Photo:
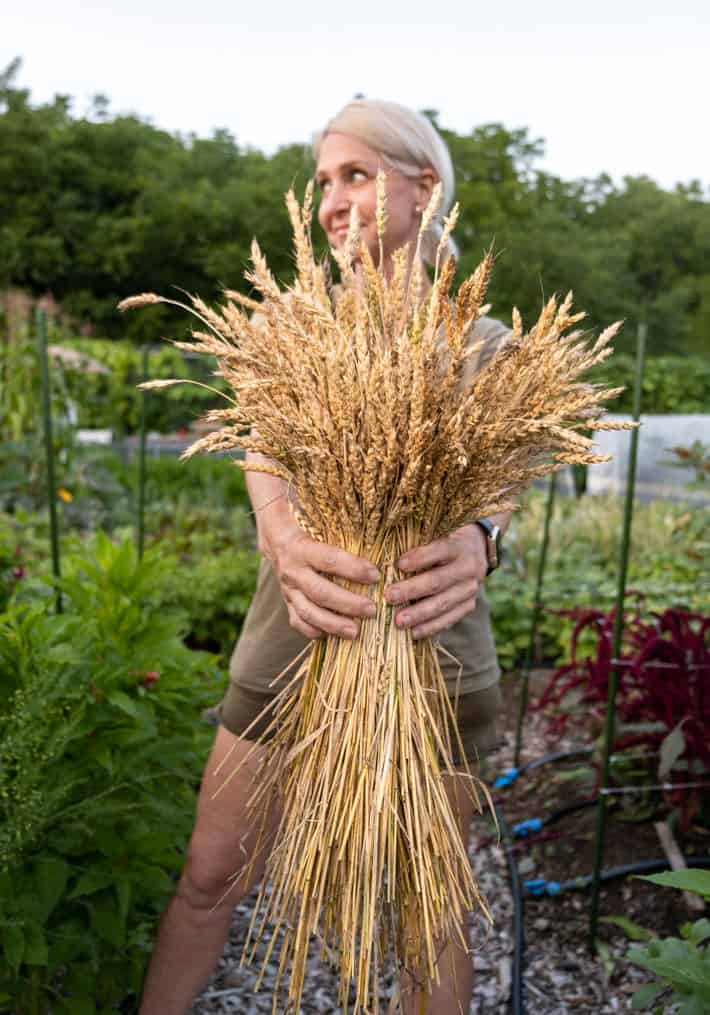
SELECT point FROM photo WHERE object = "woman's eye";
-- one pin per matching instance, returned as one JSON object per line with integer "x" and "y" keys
{"x": 323, "y": 185}
{"x": 358, "y": 175}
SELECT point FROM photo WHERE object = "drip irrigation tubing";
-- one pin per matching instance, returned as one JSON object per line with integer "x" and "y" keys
{"x": 539, "y": 887}
{"x": 525, "y": 828}
{"x": 531, "y": 825}
{"x": 512, "y": 774}
{"x": 517, "y": 1004}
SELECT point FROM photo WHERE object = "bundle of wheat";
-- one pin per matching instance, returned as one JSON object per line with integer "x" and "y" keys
{"x": 362, "y": 405}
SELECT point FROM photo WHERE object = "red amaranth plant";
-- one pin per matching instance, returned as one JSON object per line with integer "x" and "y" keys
{"x": 663, "y": 689}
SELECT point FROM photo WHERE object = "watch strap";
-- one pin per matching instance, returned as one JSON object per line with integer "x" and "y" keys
{"x": 493, "y": 535}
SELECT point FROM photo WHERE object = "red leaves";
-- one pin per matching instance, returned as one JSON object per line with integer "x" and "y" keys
{"x": 663, "y": 680}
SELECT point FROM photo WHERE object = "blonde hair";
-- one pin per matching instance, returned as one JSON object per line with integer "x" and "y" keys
{"x": 408, "y": 142}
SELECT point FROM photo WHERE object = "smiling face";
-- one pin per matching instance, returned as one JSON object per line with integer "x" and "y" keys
{"x": 346, "y": 175}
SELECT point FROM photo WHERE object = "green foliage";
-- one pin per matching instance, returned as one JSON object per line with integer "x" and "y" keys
{"x": 113, "y": 401}
{"x": 671, "y": 384}
{"x": 696, "y": 881}
{"x": 99, "y": 207}
{"x": 669, "y": 550}
{"x": 101, "y": 747}
{"x": 197, "y": 517}
{"x": 681, "y": 964}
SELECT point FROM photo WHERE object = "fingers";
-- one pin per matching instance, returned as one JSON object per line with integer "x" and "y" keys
{"x": 431, "y": 583}
{"x": 330, "y": 596}
{"x": 317, "y": 605}
{"x": 305, "y": 614}
{"x": 434, "y": 607}
{"x": 334, "y": 561}
{"x": 441, "y": 551}
{"x": 307, "y": 630}
{"x": 445, "y": 620}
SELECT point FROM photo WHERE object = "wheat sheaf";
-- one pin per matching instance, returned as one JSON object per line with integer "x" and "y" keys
{"x": 359, "y": 398}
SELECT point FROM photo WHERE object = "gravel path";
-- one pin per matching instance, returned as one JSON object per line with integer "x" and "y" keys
{"x": 558, "y": 979}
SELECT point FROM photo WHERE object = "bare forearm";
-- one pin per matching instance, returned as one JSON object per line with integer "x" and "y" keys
{"x": 502, "y": 520}
{"x": 269, "y": 499}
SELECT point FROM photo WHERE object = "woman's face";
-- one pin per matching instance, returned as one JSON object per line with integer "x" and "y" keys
{"x": 346, "y": 175}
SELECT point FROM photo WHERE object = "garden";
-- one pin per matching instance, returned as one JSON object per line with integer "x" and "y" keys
{"x": 104, "y": 704}
{"x": 126, "y": 575}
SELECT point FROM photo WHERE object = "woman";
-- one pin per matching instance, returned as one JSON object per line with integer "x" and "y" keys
{"x": 296, "y": 601}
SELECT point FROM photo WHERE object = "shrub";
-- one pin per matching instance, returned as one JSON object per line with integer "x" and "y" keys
{"x": 101, "y": 747}
{"x": 671, "y": 384}
{"x": 662, "y": 702}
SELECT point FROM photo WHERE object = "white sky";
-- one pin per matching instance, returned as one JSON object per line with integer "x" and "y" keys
{"x": 611, "y": 85}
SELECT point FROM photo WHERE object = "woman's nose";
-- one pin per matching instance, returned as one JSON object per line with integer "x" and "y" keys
{"x": 336, "y": 199}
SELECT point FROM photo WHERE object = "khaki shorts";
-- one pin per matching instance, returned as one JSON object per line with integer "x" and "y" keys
{"x": 475, "y": 717}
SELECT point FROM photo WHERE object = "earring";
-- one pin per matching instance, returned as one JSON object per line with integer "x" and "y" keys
{"x": 418, "y": 209}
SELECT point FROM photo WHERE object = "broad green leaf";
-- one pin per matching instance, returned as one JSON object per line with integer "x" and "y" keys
{"x": 92, "y": 880}
{"x": 697, "y": 932}
{"x": 645, "y": 995}
{"x": 697, "y": 881}
{"x": 106, "y": 921}
{"x": 693, "y": 1006}
{"x": 121, "y": 700}
{"x": 52, "y": 874}
{"x": 13, "y": 942}
{"x": 689, "y": 974}
{"x": 36, "y": 951}
{"x": 671, "y": 749}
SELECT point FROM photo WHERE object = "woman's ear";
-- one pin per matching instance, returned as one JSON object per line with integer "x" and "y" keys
{"x": 424, "y": 187}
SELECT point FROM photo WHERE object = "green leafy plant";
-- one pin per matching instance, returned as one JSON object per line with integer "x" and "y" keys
{"x": 101, "y": 746}
{"x": 681, "y": 965}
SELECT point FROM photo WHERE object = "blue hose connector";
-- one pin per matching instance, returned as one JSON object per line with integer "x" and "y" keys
{"x": 525, "y": 828}
{"x": 505, "y": 780}
{"x": 540, "y": 886}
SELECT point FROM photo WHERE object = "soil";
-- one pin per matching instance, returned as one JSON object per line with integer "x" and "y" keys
{"x": 564, "y": 850}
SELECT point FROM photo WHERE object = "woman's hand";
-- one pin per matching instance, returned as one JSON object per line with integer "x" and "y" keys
{"x": 449, "y": 574}
{"x": 316, "y": 605}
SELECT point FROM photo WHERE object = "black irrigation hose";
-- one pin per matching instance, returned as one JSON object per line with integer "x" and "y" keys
{"x": 512, "y": 773}
{"x": 517, "y": 1005}
{"x": 531, "y": 826}
{"x": 540, "y": 887}
{"x": 578, "y": 752}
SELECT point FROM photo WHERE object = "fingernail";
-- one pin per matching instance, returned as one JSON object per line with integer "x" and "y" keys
{"x": 393, "y": 595}
{"x": 373, "y": 574}
{"x": 351, "y": 632}
{"x": 402, "y": 619}
{"x": 403, "y": 563}
{"x": 371, "y": 610}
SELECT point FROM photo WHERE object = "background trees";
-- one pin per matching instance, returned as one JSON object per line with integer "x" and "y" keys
{"x": 95, "y": 207}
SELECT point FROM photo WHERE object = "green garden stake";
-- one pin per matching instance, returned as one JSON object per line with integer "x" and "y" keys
{"x": 616, "y": 640}
{"x": 537, "y": 609}
{"x": 141, "y": 460}
{"x": 49, "y": 449}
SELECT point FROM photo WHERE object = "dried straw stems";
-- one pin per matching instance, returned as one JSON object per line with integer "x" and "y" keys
{"x": 358, "y": 399}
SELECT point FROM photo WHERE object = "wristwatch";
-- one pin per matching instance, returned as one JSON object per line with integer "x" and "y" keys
{"x": 494, "y": 542}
